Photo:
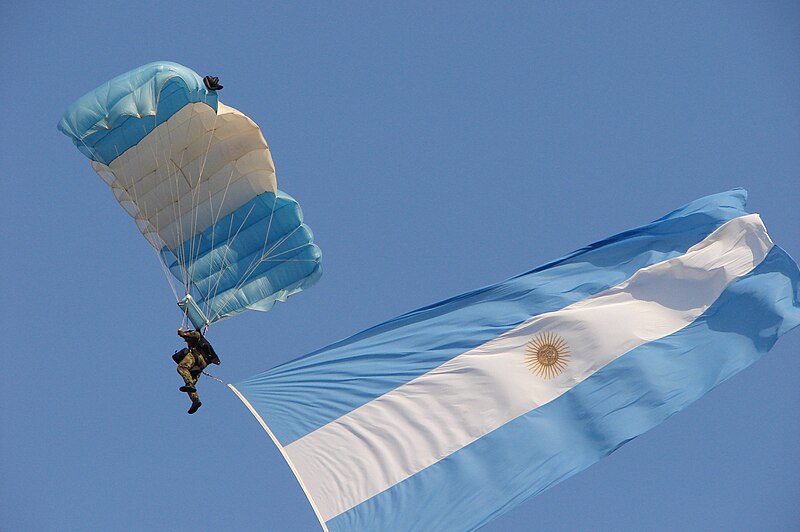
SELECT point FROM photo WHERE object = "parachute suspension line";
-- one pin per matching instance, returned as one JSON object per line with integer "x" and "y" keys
{"x": 178, "y": 215}
{"x": 154, "y": 229}
{"x": 182, "y": 256}
{"x": 156, "y": 159}
{"x": 207, "y": 303}
{"x": 269, "y": 225}
{"x": 173, "y": 169}
{"x": 164, "y": 266}
{"x": 195, "y": 239}
{"x": 212, "y": 292}
{"x": 187, "y": 262}
{"x": 195, "y": 243}
{"x": 291, "y": 260}
{"x": 167, "y": 275}
{"x": 272, "y": 258}
{"x": 266, "y": 256}
{"x": 177, "y": 210}
{"x": 211, "y": 251}
{"x": 225, "y": 264}
{"x": 248, "y": 270}
{"x": 171, "y": 178}
{"x": 175, "y": 193}
{"x": 141, "y": 217}
{"x": 281, "y": 241}
{"x": 254, "y": 265}
{"x": 160, "y": 242}
{"x": 244, "y": 278}
{"x": 207, "y": 299}
{"x": 156, "y": 240}
{"x": 185, "y": 318}
{"x": 162, "y": 261}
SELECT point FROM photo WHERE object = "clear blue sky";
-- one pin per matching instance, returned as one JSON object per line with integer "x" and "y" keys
{"x": 434, "y": 150}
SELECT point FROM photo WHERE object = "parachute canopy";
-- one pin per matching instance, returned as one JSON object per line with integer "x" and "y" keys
{"x": 198, "y": 179}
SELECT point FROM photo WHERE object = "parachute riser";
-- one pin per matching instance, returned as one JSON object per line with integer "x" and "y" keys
{"x": 191, "y": 310}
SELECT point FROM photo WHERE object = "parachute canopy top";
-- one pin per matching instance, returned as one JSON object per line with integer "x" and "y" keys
{"x": 150, "y": 95}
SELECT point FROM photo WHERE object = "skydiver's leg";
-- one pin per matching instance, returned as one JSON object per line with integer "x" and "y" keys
{"x": 195, "y": 402}
{"x": 194, "y": 407}
{"x": 184, "y": 369}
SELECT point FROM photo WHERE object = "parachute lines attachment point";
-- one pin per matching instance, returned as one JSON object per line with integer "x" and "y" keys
{"x": 193, "y": 312}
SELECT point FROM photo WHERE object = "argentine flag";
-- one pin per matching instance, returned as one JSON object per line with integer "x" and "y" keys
{"x": 452, "y": 414}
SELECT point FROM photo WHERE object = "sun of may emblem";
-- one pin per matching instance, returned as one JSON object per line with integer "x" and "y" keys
{"x": 547, "y": 354}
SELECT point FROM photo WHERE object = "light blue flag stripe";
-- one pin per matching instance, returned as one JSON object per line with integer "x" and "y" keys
{"x": 302, "y": 395}
{"x": 624, "y": 399}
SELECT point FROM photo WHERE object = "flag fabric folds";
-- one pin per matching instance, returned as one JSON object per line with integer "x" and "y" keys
{"x": 452, "y": 414}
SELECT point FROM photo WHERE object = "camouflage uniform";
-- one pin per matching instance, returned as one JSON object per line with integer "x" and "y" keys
{"x": 190, "y": 367}
{"x": 192, "y": 360}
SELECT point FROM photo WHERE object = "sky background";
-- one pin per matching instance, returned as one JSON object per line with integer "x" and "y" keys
{"x": 455, "y": 145}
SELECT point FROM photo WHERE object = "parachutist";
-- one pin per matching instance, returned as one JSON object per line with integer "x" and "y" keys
{"x": 192, "y": 360}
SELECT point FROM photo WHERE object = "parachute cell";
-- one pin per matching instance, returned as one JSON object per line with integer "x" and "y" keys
{"x": 198, "y": 178}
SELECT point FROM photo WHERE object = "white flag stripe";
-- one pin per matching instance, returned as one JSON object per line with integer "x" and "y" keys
{"x": 417, "y": 424}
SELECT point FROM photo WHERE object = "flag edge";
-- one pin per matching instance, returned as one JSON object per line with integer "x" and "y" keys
{"x": 283, "y": 453}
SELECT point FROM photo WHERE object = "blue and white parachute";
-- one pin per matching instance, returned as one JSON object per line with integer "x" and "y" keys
{"x": 198, "y": 179}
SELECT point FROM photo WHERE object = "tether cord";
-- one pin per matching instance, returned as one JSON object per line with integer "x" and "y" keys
{"x": 213, "y": 377}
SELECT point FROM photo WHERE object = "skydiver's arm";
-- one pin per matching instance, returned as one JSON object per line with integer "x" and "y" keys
{"x": 194, "y": 335}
